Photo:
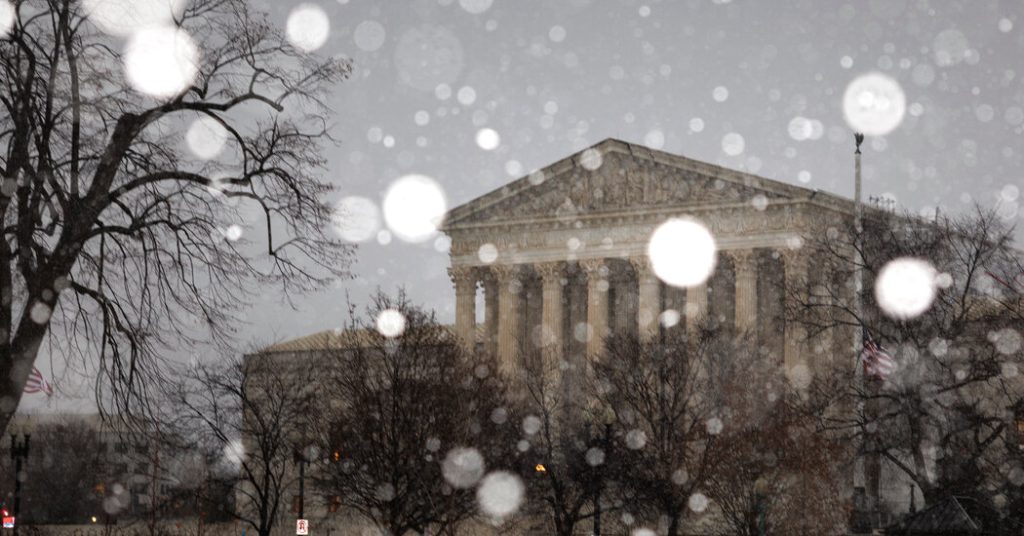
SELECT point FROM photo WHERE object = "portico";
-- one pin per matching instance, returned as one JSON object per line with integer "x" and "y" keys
{"x": 572, "y": 265}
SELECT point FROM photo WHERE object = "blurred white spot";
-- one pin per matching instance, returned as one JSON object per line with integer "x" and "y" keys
{"x": 463, "y": 467}
{"x": 414, "y": 207}
{"x": 950, "y": 47}
{"x": 655, "y": 139}
{"x": 206, "y": 137}
{"x": 234, "y": 452}
{"x": 799, "y": 376}
{"x": 759, "y": 202}
{"x": 476, "y": 6}
{"x": 905, "y": 287}
{"x": 682, "y": 252}
{"x": 874, "y": 104}
{"x": 643, "y": 531}
{"x": 594, "y": 456}
{"x": 427, "y": 57}
{"x": 556, "y": 34}
{"x": 1010, "y": 192}
{"x": 536, "y": 177}
{"x": 6, "y": 17}
{"x": 390, "y": 323}
{"x": 421, "y": 118}
{"x": 714, "y": 425}
{"x": 720, "y": 94}
{"x": 698, "y": 502}
{"x": 1005, "y": 25}
{"x": 466, "y": 95}
{"x": 232, "y": 233}
{"x": 308, "y": 27}
{"x": 645, "y": 11}
{"x": 591, "y": 159}
{"x": 733, "y": 144}
{"x": 487, "y": 253}
{"x": 636, "y": 439}
{"x": 802, "y": 128}
{"x": 984, "y": 113}
{"x": 488, "y": 139}
{"x": 124, "y": 17}
{"x": 500, "y": 494}
{"x": 443, "y": 244}
{"x": 356, "y": 219}
{"x": 531, "y": 424}
{"x": 40, "y": 313}
{"x": 846, "y": 62}
{"x": 369, "y": 35}
{"x": 680, "y": 477}
{"x": 385, "y": 492}
{"x": 696, "y": 124}
{"x": 161, "y": 61}
{"x": 804, "y": 176}
{"x": 1007, "y": 341}
{"x": 669, "y": 318}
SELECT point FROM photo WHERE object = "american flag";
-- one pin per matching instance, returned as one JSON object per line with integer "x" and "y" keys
{"x": 877, "y": 361}
{"x": 37, "y": 384}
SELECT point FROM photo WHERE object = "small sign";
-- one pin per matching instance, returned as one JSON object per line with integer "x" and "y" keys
{"x": 302, "y": 527}
{"x": 8, "y": 522}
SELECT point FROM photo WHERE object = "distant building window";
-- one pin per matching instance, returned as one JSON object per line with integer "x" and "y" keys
{"x": 334, "y": 504}
{"x": 296, "y": 501}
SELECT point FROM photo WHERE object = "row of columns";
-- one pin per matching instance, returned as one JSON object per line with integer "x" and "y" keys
{"x": 503, "y": 289}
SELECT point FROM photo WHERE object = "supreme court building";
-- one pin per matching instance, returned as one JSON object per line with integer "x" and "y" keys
{"x": 558, "y": 259}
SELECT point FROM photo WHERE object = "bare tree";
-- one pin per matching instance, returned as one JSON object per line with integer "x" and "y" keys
{"x": 777, "y": 474}
{"x": 957, "y": 362}
{"x": 113, "y": 235}
{"x": 398, "y": 406}
{"x": 249, "y": 417}
{"x": 568, "y": 467}
{"x": 666, "y": 404}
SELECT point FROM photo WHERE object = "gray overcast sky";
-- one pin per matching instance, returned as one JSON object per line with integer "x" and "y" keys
{"x": 553, "y": 77}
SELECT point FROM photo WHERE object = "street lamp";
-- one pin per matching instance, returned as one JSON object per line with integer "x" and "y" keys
{"x": 19, "y": 452}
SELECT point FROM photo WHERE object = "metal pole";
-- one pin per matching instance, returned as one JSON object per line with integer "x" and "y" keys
{"x": 302, "y": 486}
{"x": 18, "y": 454}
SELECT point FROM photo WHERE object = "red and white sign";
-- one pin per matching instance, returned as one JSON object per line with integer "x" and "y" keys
{"x": 302, "y": 527}
{"x": 8, "y": 522}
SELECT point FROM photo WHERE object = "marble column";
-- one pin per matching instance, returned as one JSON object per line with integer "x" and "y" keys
{"x": 696, "y": 306}
{"x": 795, "y": 267}
{"x": 745, "y": 269}
{"x": 464, "y": 279}
{"x": 490, "y": 286}
{"x": 648, "y": 298}
{"x": 553, "y": 315}
{"x": 509, "y": 301}
{"x": 597, "y": 304}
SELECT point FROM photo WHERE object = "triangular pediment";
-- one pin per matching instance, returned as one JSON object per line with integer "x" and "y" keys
{"x": 616, "y": 177}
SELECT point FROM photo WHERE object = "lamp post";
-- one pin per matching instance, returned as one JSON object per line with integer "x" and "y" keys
{"x": 19, "y": 452}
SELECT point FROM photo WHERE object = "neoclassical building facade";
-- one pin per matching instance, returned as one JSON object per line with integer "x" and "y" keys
{"x": 558, "y": 260}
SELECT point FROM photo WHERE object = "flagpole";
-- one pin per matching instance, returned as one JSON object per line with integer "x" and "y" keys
{"x": 858, "y": 275}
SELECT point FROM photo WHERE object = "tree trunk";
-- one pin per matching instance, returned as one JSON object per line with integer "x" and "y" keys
{"x": 673, "y": 525}
{"x": 16, "y": 366}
